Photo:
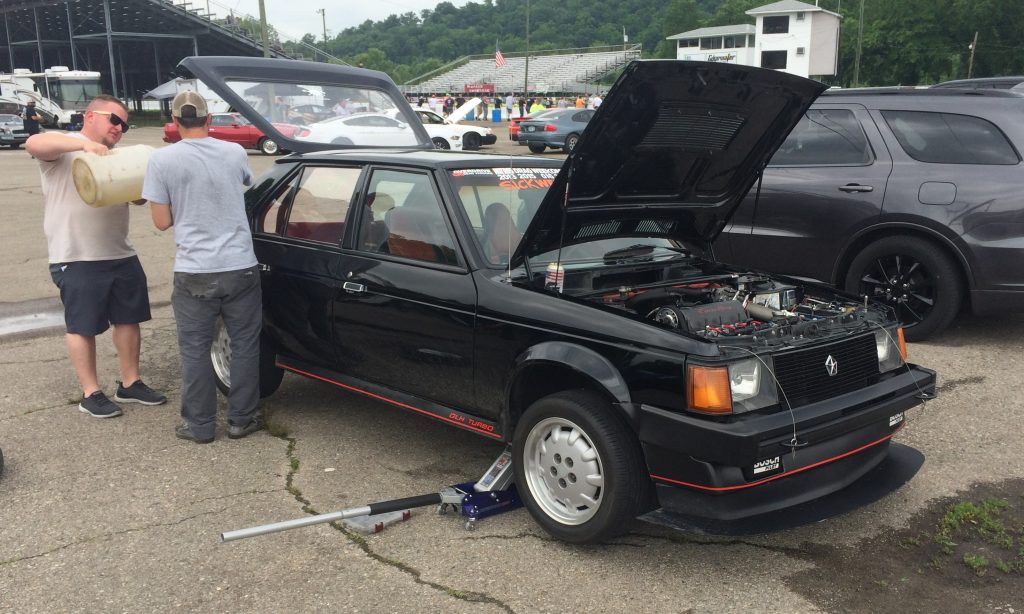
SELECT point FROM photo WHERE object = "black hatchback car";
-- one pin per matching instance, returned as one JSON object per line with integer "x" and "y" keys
{"x": 569, "y": 309}
{"x": 912, "y": 197}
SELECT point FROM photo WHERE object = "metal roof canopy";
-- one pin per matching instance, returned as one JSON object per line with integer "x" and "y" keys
{"x": 135, "y": 44}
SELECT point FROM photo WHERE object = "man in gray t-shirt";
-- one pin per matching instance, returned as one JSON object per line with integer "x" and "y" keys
{"x": 196, "y": 186}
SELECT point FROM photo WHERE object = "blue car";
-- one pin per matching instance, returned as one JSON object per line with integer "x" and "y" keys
{"x": 557, "y": 129}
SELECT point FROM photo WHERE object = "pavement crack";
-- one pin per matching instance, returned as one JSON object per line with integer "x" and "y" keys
{"x": 236, "y": 494}
{"x": 953, "y": 384}
{"x": 94, "y": 538}
{"x": 416, "y": 575}
{"x": 37, "y": 410}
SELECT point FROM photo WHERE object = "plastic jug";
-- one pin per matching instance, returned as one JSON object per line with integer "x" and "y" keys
{"x": 113, "y": 179}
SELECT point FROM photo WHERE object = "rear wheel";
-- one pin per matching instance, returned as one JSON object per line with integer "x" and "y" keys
{"x": 268, "y": 146}
{"x": 220, "y": 354}
{"x": 440, "y": 143}
{"x": 341, "y": 141}
{"x": 578, "y": 467}
{"x": 537, "y": 148}
{"x": 570, "y": 143}
{"x": 914, "y": 277}
{"x": 471, "y": 141}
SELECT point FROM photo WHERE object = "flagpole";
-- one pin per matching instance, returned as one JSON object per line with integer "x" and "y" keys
{"x": 526, "y": 71}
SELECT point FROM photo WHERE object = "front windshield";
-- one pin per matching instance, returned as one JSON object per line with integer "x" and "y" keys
{"x": 500, "y": 203}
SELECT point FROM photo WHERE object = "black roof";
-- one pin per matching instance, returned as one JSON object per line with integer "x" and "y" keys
{"x": 916, "y": 91}
{"x": 425, "y": 157}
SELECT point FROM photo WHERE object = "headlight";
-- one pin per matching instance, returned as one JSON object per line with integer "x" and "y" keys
{"x": 742, "y": 386}
{"x": 892, "y": 350}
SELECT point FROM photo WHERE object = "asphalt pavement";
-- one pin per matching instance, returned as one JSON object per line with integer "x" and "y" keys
{"x": 119, "y": 515}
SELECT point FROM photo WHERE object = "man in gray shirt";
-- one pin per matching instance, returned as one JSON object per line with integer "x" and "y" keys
{"x": 196, "y": 186}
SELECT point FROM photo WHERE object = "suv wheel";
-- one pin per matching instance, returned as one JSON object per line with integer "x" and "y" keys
{"x": 915, "y": 277}
{"x": 220, "y": 355}
{"x": 578, "y": 467}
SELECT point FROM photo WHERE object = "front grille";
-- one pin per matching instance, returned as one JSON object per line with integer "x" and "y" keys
{"x": 804, "y": 378}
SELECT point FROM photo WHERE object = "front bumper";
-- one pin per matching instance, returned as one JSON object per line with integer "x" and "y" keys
{"x": 13, "y": 139}
{"x": 737, "y": 469}
{"x": 489, "y": 139}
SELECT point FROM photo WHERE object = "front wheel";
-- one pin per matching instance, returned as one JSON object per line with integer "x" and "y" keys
{"x": 471, "y": 141}
{"x": 268, "y": 147}
{"x": 536, "y": 148}
{"x": 578, "y": 467}
{"x": 440, "y": 143}
{"x": 914, "y": 277}
{"x": 220, "y": 354}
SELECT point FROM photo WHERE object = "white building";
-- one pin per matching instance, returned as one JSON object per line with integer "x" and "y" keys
{"x": 732, "y": 44}
{"x": 792, "y": 36}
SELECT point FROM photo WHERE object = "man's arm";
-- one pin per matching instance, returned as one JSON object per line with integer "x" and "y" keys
{"x": 49, "y": 146}
{"x": 162, "y": 218}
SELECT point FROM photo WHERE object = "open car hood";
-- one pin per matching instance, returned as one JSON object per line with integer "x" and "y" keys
{"x": 462, "y": 111}
{"x": 670, "y": 153}
{"x": 261, "y": 89}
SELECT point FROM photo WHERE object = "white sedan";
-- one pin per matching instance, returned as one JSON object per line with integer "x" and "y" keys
{"x": 370, "y": 129}
{"x": 450, "y": 134}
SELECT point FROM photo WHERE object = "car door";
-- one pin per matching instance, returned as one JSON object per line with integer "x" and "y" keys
{"x": 825, "y": 184}
{"x": 227, "y": 128}
{"x": 297, "y": 240}
{"x": 404, "y": 317}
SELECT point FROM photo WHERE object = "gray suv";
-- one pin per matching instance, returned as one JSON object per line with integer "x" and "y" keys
{"x": 912, "y": 197}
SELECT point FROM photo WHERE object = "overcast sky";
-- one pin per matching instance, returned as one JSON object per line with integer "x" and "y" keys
{"x": 298, "y": 17}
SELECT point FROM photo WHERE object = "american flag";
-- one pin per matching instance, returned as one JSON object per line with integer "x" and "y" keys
{"x": 499, "y": 60}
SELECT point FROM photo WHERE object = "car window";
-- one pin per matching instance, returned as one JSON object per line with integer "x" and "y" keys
{"x": 583, "y": 116}
{"x": 948, "y": 138}
{"x": 429, "y": 118}
{"x": 273, "y": 219}
{"x": 221, "y": 120}
{"x": 825, "y": 137}
{"x": 404, "y": 218}
{"x": 320, "y": 203}
{"x": 499, "y": 204}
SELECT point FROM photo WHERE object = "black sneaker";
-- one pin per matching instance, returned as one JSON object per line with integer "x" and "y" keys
{"x": 98, "y": 405}
{"x": 183, "y": 432}
{"x": 138, "y": 393}
{"x": 237, "y": 432}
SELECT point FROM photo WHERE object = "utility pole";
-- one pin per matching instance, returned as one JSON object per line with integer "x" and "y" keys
{"x": 263, "y": 28}
{"x": 970, "y": 64}
{"x": 860, "y": 38}
{"x": 526, "y": 72}
{"x": 323, "y": 15}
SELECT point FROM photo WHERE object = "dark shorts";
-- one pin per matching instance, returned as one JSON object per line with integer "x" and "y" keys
{"x": 98, "y": 294}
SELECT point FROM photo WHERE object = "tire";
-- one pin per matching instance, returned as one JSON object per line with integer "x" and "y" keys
{"x": 220, "y": 354}
{"x": 548, "y": 467}
{"x": 268, "y": 147}
{"x": 471, "y": 141}
{"x": 570, "y": 143}
{"x": 15, "y": 145}
{"x": 915, "y": 277}
{"x": 440, "y": 143}
{"x": 537, "y": 148}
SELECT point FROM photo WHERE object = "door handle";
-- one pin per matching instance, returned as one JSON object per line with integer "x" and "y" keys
{"x": 856, "y": 187}
{"x": 353, "y": 288}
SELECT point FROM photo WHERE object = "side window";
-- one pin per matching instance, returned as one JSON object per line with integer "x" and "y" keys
{"x": 825, "y": 137}
{"x": 404, "y": 218}
{"x": 221, "y": 120}
{"x": 273, "y": 219}
{"x": 947, "y": 138}
{"x": 320, "y": 203}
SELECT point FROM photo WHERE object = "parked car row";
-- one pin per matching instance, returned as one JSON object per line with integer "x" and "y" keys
{"x": 12, "y": 131}
{"x": 235, "y": 128}
{"x": 584, "y": 322}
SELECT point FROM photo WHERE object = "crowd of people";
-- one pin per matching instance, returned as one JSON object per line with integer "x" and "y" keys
{"x": 510, "y": 105}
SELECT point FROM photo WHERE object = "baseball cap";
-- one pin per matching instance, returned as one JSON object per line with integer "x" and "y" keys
{"x": 188, "y": 104}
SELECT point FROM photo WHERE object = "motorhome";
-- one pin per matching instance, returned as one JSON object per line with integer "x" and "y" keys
{"x": 60, "y": 94}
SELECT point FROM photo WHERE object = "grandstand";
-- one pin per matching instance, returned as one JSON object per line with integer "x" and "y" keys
{"x": 560, "y": 70}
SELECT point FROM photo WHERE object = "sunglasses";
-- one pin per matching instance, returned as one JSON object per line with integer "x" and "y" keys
{"x": 115, "y": 120}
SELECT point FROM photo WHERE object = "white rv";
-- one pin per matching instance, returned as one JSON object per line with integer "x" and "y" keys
{"x": 60, "y": 94}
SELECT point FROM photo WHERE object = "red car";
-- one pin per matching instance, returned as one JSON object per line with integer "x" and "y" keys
{"x": 236, "y": 129}
{"x": 513, "y": 124}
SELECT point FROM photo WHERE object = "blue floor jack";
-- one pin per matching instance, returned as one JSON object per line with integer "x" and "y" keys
{"x": 493, "y": 494}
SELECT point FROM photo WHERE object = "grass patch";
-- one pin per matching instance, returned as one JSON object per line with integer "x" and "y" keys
{"x": 976, "y": 563}
{"x": 978, "y": 531}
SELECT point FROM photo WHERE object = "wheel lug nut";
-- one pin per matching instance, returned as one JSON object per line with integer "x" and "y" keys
{"x": 561, "y": 482}
{"x": 558, "y": 458}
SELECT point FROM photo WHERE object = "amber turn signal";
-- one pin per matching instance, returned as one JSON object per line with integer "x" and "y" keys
{"x": 707, "y": 389}
{"x": 903, "y": 343}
